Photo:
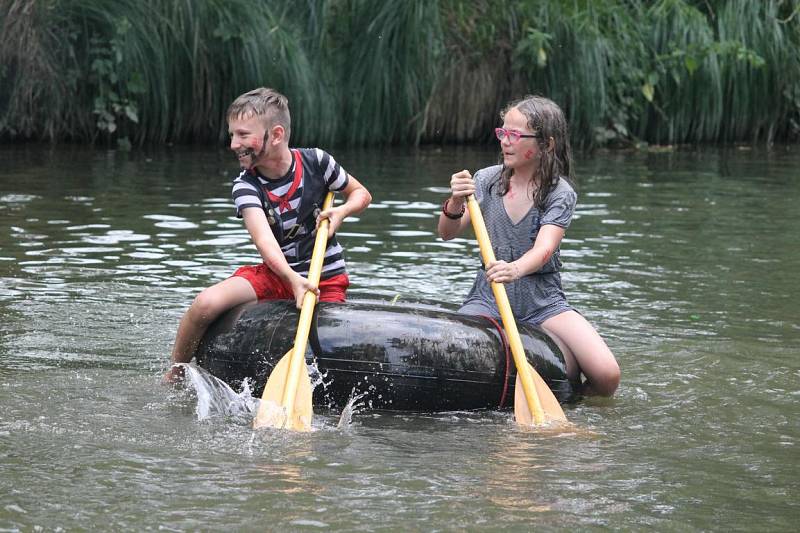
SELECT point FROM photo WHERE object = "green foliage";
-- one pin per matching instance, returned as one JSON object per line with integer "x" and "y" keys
{"x": 112, "y": 103}
{"x": 379, "y": 72}
{"x": 755, "y": 99}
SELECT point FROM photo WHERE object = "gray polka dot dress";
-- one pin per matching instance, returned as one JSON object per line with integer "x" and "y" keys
{"x": 536, "y": 297}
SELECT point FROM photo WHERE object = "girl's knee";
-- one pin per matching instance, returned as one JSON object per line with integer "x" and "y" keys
{"x": 604, "y": 369}
{"x": 606, "y": 381}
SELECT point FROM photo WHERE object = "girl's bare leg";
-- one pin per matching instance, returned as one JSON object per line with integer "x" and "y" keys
{"x": 585, "y": 351}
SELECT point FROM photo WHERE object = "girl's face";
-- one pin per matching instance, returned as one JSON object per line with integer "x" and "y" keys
{"x": 521, "y": 154}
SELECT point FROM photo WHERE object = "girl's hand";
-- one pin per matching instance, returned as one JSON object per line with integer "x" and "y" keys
{"x": 300, "y": 286}
{"x": 335, "y": 215}
{"x": 502, "y": 272}
{"x": 461, "y": 184}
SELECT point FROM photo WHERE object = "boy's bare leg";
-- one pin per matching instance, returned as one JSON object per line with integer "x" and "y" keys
{"x": 205, "y": 308}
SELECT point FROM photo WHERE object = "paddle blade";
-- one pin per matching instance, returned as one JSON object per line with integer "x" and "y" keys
{"x": 550, "y": 407}
{"x": 272, "y": 412}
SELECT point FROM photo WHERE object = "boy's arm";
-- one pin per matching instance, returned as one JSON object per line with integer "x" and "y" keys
{"x": 357, "y": 198}
{"x": 256, "y": 223}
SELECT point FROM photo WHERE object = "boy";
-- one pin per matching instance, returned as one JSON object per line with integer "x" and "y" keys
{"x": 278, "y": 194}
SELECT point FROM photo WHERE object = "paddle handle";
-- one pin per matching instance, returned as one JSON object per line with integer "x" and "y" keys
{"x": 520, "y": 361}
{"x": 306, "y": 312}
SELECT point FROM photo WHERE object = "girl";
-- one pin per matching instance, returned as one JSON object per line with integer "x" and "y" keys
{"x": 527, "y": 203}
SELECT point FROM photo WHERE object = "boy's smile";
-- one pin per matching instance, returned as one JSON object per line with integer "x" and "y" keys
{"x": 260, "y": 147}
{"x": 247, "y": 140}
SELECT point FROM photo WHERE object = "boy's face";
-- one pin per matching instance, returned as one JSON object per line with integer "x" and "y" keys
{"x": 248, "y": 139}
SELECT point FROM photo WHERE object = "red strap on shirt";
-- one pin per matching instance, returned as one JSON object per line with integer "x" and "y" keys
{"x": 283, "y": 201}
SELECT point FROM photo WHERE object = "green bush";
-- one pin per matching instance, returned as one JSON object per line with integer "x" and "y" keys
{"x": 363, "y": 72}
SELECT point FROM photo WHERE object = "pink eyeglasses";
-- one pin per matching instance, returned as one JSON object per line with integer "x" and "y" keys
{"x": 513, "y": 135}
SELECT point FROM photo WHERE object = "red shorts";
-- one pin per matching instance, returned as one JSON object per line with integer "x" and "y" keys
{"x": 270, "y": 286}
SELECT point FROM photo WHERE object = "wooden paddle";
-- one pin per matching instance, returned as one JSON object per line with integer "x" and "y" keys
{"x": 534, "y": 402}
{"x": 286, "y": 401}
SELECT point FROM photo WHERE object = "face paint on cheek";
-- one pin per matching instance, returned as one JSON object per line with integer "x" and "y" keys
{"x": 246, "y": 158}
{"x": 252, "y": 153}
{"x": 528, "y": 154}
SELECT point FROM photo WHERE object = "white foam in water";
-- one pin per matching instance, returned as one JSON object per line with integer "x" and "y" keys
{"x": 316, "y": 376}
{"x": 351, "y": 408}
{"x": 215, "y": 397}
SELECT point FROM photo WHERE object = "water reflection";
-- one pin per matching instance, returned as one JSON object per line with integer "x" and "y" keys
{"x": 685, "y": 262}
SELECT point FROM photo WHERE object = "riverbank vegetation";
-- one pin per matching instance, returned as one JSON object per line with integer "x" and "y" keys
{"x": 363, "y": 72}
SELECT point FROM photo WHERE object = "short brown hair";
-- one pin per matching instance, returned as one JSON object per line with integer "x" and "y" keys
{"x": 263, "y": 102}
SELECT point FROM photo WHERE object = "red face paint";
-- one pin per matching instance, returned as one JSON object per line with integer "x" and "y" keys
{"x": 254, "y": 152}
{"x": 528, "y": 154}
{"x": 257, "y": 145}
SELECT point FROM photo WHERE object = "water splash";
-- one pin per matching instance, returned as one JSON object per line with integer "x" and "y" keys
{"x": 316, "y": 376}
{"x": 352, "y": 407}
{"x": 270, "y": 414}
{"x": 216, "y": 398}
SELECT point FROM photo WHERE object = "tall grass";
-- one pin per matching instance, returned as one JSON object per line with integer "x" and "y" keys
{"x": 380, "y": 72}
{"x": 38, "y": 74}
{"x": 685, "y": 74}
{"x": 584, "y": 67}
{"x": 760, "y": 96}
{"x": 475, "y": 72}
{"x": 388, "y": 54}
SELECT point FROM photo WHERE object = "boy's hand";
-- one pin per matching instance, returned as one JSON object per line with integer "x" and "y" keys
{"x": 173, "y": 376}
{"x": 335, "y": 215}
{"x": 300, "y": 286}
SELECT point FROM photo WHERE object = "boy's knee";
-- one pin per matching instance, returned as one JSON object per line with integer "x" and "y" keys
{"x": 204, "y": 308}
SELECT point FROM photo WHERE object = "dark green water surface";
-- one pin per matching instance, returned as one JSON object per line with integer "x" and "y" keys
{"x": 686, "y": 262}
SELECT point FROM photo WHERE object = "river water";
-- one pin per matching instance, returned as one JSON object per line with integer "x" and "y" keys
{"x": 686, "y": 262}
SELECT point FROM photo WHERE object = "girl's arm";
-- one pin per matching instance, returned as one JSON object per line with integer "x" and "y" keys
{"x": 461, "y": 186}
{"x": 547, "y": 242}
